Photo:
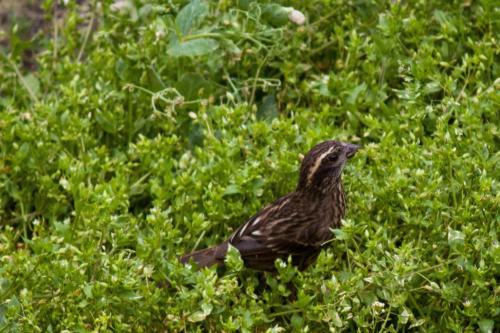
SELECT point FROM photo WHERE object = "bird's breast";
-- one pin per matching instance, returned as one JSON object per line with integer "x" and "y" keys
{"x": 331, "y": 212}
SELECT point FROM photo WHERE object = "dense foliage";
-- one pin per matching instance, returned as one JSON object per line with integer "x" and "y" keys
{"x": 150, "y": 128}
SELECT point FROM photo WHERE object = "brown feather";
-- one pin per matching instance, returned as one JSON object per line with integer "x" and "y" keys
{"x": 207, "y": 257}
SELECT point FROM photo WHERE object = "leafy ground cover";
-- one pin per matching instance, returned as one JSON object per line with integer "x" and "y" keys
{"x": 145, "y": 129}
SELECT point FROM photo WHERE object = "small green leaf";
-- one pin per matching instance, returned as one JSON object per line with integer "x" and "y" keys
{"x": 404, "y": 316}
{"x": 455, "y": 237}
{"x": 275, "y": 329}
{"x": 353, "y": 96}
{"x": 196, "y": 135}
{"x": 233, "y": 259}
{"x": 231, "y": 47}
{"x": 232, "y": 189}
{"x": 268, "y": 110}
{"x": 368, "y": 297}
{"x": 297, "y": 321}
{"x": 193, "y": 86}
{"x": 275, "y": 14}
{"x": 341, "y": 234}
{"x": 192, "y": 48}
{"x": 32, "y": 83}
{"x": 106, "y": 121}
{"x": 197, "y": 316}
{"x": 190, "y": 15}
{"x": 206, "y": 309}
{"x": 432, "y": 87}
{"x": 486, "y": 325}
{"x": 335, "y": 318}
{"x": 417, "y": 323}
{"x": 87, "y": 290}
{"x": 121, "y": 68}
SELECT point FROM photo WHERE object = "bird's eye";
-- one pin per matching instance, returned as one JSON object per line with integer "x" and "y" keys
{"x": 333, "y": 157}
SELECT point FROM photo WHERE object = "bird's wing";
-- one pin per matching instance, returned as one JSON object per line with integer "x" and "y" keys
{"x": 280, "y": 229}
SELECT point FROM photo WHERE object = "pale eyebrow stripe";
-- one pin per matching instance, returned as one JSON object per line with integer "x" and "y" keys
{"x": 317, "y": 163}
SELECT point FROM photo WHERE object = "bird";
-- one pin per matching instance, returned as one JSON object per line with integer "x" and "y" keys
{"x": 297, "y": 225}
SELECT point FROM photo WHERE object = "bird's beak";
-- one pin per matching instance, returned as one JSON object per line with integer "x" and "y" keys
{"x": 351, "y": 149}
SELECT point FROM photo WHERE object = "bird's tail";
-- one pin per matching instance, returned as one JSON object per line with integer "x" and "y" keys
{"x": 207, "y": 257}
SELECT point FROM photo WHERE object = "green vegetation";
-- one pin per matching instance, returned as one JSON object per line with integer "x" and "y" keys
{"x": 149, "y": 128}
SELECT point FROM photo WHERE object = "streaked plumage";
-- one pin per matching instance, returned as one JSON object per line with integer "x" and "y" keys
{"x": 297, "y": 224}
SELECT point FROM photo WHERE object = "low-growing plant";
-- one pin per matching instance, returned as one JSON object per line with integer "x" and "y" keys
{"x": 149, "y": 129}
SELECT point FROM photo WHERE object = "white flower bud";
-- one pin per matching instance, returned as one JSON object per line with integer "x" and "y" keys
{"x": 296, "y": 17}
{"x": 119, "y": 5}
{"x": 159, "y": 34}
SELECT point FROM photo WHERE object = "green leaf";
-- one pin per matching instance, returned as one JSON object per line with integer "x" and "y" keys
{"x": 486, "y": 325}
{"x": 297, "y": 322}
{"x": 336, "y": 319}
{"x": 32, "y": 83}
{"x": 231, "y": 47}
{"x": 191, "y": 15}
{"x": 121, "y": 68}
{"x": 274, "y": 14}
{"x": 353, "y": 96}
{"x": 233, "y": 259}
{"x": 432, "y": 87}
{"x": 196, "y": 135}
{"x": 197, "y": 316}
{"x": 3, "y": 309}
{"x": 107, "y": 121}
{"x": 341, "y": 234}
{"x": 417, "y": 323}
{"x": 404, "y": 316}
{"x": 193, "y": 86}
{"x": 87, "y": 290}
{"x": 268, "y": 109}
{"x": 455, "y": 237}
{"x": 367, "y": 296}
{"x": 192, "y": 48}
{"x": 232, "y": 189}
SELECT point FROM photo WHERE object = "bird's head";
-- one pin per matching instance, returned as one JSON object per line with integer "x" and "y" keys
{"x": 322, "y": 166}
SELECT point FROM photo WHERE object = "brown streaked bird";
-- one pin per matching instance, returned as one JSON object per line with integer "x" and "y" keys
{"x": 297, "y": 224}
